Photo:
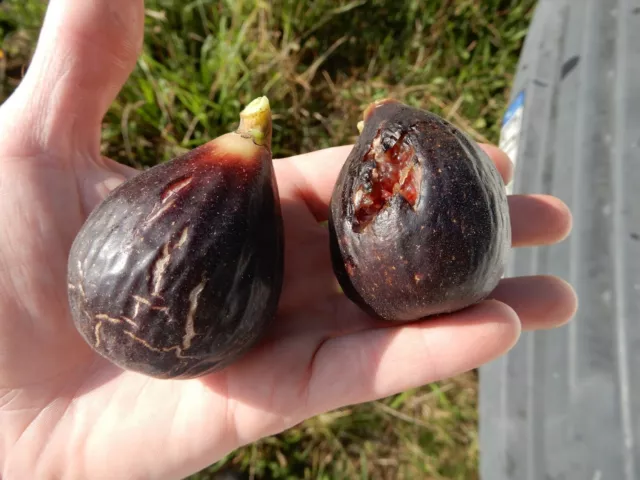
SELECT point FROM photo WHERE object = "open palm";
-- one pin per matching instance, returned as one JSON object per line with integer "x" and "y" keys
{"x": 66, "y": 412}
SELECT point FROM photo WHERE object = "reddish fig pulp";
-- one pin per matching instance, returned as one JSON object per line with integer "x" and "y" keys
{"x": 419, "y": 220}
{"x": 178, "y": 272}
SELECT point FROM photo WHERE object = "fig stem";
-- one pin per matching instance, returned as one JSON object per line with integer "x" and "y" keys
{"x": 255, "y": 121}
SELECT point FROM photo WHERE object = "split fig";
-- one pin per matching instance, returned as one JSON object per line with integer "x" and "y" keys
{"x": 419, "y": 220}
{"x": 178, "y": 272}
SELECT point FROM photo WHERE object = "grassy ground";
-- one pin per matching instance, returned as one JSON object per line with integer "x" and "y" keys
{"x": 320, "y": 62}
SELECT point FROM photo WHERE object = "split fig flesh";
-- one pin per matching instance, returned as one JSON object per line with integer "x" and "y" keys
{"x": 419, "y": 220}
{"x": 178, "y": 272}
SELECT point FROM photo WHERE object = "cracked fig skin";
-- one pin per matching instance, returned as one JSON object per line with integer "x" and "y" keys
{"x": 178, "y": 272}
{"x": 419, "y": 220}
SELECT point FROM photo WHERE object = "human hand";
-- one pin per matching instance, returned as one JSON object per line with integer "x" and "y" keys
{"x": 65, "y": 412}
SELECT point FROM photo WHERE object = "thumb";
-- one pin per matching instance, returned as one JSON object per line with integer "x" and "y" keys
{"x": 85, "y": 53}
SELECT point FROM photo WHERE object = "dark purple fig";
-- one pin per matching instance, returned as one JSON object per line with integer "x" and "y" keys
{"x": 419, "y": 221}
{"x": 178, "y": 272}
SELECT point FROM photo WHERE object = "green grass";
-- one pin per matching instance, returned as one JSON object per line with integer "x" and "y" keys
{"x": 320, "y": 62}
{"x": 427, "y": 433}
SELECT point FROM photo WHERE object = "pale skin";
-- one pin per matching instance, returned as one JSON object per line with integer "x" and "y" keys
{"x": 67, "y": 413}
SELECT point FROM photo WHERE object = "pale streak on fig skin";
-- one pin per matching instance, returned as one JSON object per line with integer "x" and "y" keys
{"x": 130, "y": 322}
{"x": 175, "y": 348}
{"x": 81, "y": 275}
{"x": 136, "y": 310}
{"x": 193, "y": 307}
{"x": 81, "y": 288}
{"x": 175, "y": 188}
{"x": 138, "y": 301}
{"x": 102, "y": 316}
{"x": 96, "y": 331}
{"x": 183, "y": 237}
{"x": 163, "y": 209}
{"x": 190, "y": 332}
{"x": 170, "y": 192}
{"x": 160, "y": 266}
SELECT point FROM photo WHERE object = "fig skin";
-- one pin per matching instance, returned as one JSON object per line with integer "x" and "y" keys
{"x": 178, "y": 272}
{"x": 436, "y": 245}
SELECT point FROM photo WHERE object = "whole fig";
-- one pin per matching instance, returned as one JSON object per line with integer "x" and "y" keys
{"x": 178, "y": 272}
{"x": 419, "y": 220}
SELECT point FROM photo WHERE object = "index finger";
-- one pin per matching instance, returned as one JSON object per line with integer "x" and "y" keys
{"x": 313, "y": 175}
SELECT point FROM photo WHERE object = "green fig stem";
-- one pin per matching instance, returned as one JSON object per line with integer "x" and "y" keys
{"x": 255, "y": 121}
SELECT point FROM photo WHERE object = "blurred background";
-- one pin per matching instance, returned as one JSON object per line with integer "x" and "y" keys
{"x": 320, "y": 62}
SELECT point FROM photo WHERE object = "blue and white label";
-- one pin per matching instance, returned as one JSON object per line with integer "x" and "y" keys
{"x": 511, "y": 129}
